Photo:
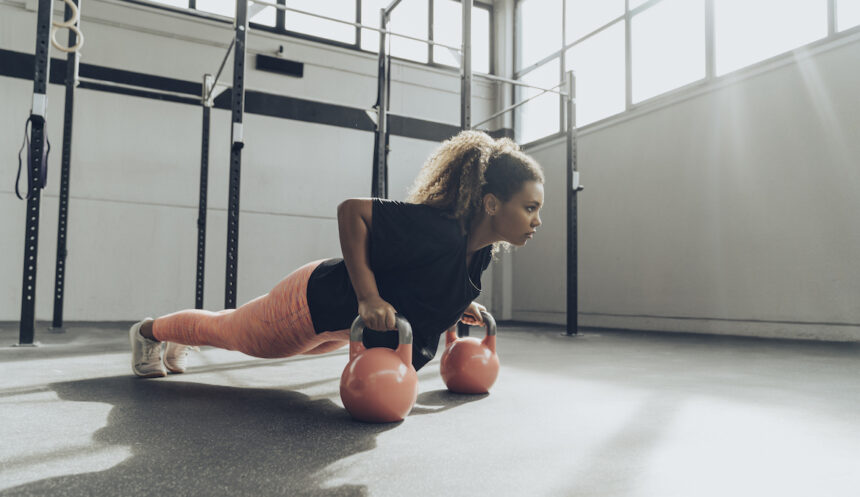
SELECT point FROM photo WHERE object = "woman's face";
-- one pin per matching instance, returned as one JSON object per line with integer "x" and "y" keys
{"x": 516, "y": 220}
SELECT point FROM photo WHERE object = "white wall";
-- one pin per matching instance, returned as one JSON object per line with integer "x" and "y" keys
{"x": 732, "y": 209}
{"x": 135, "y": 164}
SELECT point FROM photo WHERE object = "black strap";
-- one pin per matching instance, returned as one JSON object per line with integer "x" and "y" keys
{"x": 42, "y": 181}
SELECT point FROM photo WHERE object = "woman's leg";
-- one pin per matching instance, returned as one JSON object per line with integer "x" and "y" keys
{"x": 277, "y": 324}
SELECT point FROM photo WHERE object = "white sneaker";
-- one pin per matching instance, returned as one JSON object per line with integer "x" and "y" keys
{"x": 145, "y": 353}
{"x": 176, "y": 357}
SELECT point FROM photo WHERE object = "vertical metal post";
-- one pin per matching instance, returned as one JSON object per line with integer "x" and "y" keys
{"x": 466, "y": 68}
{"x": 379, "y": 187}
{"x": 572, "y": 188}
{"x": 628, "y": 57}
{"x": 466, "y": 96}
{"x": 63, "y": 216}
{"x": 37, "y": 143}
{"x": 237, "y": 142}
{"x": 208, "y": 87}
{"x": 831, "y": 17}
{"x": 710, "y": 41}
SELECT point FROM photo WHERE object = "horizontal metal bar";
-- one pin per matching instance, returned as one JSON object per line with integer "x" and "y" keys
{"x": 520, "y": 83}
{"x": 569, "y": 46}
{"x": 514, "y": 106}
{"x": 134, "y": 87}
{"x": 355, "y": 24}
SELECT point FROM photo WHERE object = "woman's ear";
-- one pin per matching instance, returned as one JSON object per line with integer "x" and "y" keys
{"x": 491, "y": 204}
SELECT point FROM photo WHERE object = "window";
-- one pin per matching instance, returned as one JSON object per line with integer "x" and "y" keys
{"x": 410, "y": 17}
{"x": 370, "y": 17}
{"x": 584, "y": 16}
{"x": 539, "y": 117}
{"x": 668, "y": 47}
{"x": 847, "y": 14}
{"x": 599, "y": 66}
{"x": 748, "y": 31}
{"x": 322, "y": 28}
{"x": 448, "y": 29}
{"x": 538, "y": 30}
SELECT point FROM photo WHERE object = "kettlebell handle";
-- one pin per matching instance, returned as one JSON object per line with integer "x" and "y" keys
{"x": 489, "y": 324}
{"x": 404, "y": 333}
{"x": 404, "y": 329}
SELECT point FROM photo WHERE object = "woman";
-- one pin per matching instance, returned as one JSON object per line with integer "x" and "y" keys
{"x": 422, "y": 258}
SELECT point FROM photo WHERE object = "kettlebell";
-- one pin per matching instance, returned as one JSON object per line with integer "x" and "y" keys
{"x": 470, "y": 365}
{"x": 379, "y": 385}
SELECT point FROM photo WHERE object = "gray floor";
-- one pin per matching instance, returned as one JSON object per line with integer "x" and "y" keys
{"x": 607, "y": 414}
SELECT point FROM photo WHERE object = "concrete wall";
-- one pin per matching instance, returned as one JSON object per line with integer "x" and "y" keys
{"x": 135, "y": 164}
{"x": 730, "y": 208}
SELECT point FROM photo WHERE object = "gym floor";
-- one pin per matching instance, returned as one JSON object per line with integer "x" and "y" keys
{"x": 609, "y": 413}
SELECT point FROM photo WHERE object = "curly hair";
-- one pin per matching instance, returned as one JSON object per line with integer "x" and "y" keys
{"x": 468, "y": 166}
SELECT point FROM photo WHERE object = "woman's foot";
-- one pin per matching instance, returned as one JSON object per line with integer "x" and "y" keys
{"x": 176, "y": 357}
{"x": 145, "y": 353}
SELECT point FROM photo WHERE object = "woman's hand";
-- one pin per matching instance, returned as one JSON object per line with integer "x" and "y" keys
{"x": 377, "y": 314}
{"x": 472, "y": 315}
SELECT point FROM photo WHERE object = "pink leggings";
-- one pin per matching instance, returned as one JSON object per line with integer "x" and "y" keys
{"x": 277, "y": 324}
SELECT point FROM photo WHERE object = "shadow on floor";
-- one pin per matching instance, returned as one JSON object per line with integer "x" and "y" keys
{"x": 198, "y": 439}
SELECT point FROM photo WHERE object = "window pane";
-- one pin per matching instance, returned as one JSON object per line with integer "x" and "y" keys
{"x": 748, "y": 31}
{"x": 600, "y": 82}
{"x": 447, "y": 29}
{"x": 847, "y": 14}
{"x": 539, "y": 30}
{"x": 370, "y": 17}
{"x": 314, "y": 26}
{"x": 266, "y": 17}
{"x": 584, "y": 16}
{"x": 221, "y": 7}
{"x": 182, "y": 4}
{"x": 668, "y": 47}
{"x": 409, "y": 18}
{"x": 539, "y": 117}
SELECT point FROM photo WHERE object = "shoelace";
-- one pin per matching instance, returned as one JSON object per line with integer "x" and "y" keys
{"x": 151, "y": 351}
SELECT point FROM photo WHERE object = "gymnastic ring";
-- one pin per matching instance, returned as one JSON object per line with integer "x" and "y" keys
{"x": 69, "y": 24}
{"x": 63, "y": 48}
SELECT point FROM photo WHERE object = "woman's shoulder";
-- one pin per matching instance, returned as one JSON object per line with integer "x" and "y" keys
{"x": 426, "y": 218}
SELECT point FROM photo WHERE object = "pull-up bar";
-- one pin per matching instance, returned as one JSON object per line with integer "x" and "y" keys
{"x": 518, "y": 104}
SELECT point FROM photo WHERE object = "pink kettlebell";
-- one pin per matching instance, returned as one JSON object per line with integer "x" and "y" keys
{"x": 379, "y": 385}
{"x": 470, "y": 365}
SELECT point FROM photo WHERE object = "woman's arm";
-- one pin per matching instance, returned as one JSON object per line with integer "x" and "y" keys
{"x": 354, "y": 221}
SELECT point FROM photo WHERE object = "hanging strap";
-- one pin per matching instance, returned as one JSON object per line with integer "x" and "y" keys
{"x": 42, "y": 181}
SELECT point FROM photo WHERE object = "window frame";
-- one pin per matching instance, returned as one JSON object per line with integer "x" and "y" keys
{"x": 280, "y": 28}
{"x": 710, "y": 59}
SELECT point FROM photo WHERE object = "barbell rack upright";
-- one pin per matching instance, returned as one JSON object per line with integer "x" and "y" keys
{"x": 206, "y": 94}
{"x": 65, "y": 174}
{"x": 573, "y": 187}
{"x": 237, "y": 142}
{"x": 26, "y": 330}
{"x": 379, "y": 185}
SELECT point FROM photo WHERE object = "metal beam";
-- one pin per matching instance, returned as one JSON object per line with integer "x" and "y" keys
{"x": 37, "y": 155}
{"x": 466, "y": 68}
{"x": 63, "y": 215}
{"x": 379, "y": 185}
{"x": 237, "y": 142}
